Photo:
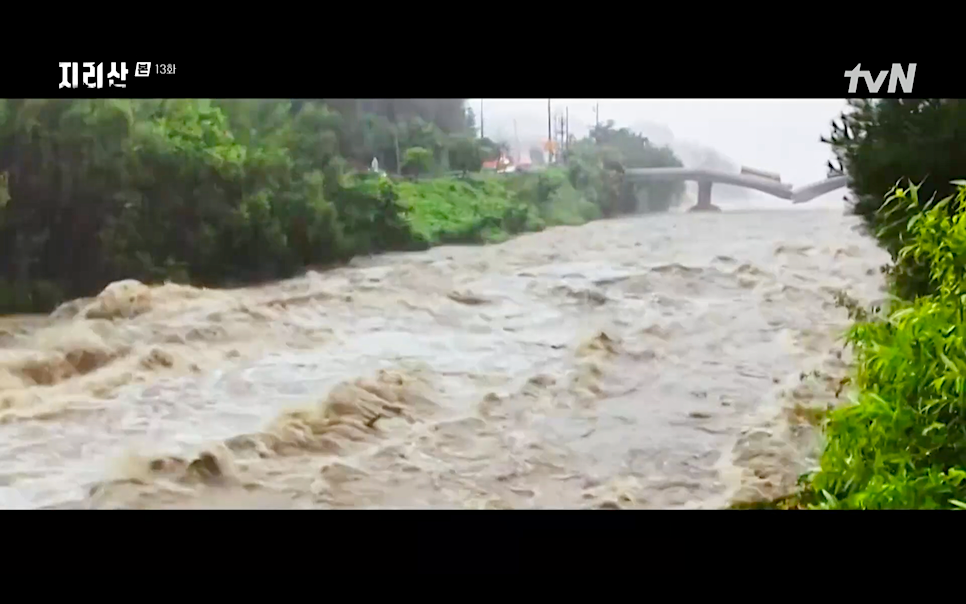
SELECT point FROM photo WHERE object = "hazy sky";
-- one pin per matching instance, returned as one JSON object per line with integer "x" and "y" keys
{"x": 777, "y": 135}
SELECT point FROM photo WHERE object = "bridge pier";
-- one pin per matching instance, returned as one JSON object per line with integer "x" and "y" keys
{"x": 704, "y": 198}
{"x": 704, "y": 195}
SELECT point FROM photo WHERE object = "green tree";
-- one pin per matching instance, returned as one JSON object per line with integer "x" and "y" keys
{"x": 877, "y": 142}
{"x": 465, "y": 154}
{"x": 599, "y": 162}
{"x": 221, "y": 192}
{"x": 417, "y": 161}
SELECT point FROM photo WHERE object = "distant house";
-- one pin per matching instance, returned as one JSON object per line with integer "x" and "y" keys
{"x": 506, "y": 164}
{"x": 498, "y": 165}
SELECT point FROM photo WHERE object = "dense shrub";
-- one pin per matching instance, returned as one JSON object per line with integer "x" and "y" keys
{"x": 568, "y": 206}
{"x": 879, "y": 141}
{"x": 623, "y": 148}
{"x": 226, "y": 191}
{"x": 903, "y": 443}
{"x": 194, "y": 190}
{"x": 471, "y": 210}
{"x": 417, "y": 160}
{"x": 374, "y": 217}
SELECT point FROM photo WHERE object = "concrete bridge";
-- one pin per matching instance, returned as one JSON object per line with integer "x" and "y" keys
{"x": 706, "y": 178}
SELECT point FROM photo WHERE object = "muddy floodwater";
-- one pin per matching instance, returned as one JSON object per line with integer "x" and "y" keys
{"x": 666, "y": 361}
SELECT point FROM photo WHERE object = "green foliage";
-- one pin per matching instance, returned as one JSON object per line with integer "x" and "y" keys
{"x": 372, "y": 215}
{"x": 465, "y": 155}
{"x": 568, "y": 206}
{"x": 417, "y": 160}
{"x": 903, "y": 443}
{"x": 599, "y": 162}
{"x": 537, "y": 187}
{"x": 227, "y": 191}
{"x": 556, "y": 200}
{"x": 191, "y": 190}
{"x": 633, "y": 150}
{"x": 878, "y": 141}
{"x": 472, "y": 210}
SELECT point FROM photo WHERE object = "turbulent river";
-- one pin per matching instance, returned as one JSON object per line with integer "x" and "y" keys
{"x": 664, "y": 361}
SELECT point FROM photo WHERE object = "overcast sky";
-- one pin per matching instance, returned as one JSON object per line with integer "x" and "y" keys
{"x": 777, "y": 135}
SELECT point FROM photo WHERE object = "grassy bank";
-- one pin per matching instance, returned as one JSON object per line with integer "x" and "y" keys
{"x": 470, "y": 210}
{"x": 476, "y": 208}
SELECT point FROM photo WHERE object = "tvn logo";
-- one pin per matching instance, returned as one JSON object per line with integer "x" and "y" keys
{"x": 896, "y": 76}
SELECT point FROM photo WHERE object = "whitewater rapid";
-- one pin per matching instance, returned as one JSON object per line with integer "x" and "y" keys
{"x": 663, "y": 361}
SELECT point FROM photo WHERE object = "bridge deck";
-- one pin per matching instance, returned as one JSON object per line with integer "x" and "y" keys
{"x": 810, "y": 192}
{"x": 765, "y": 185}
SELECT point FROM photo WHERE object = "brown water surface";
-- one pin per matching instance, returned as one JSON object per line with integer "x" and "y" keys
{"x": 649, "y": 362}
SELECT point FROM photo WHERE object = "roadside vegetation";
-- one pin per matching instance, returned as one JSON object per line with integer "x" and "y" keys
{"x": 224, "y": 192}
{"x": 901, "y": 443}
{"x": 880, "y": 142}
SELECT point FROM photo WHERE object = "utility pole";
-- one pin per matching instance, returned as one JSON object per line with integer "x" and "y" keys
{"x": 597, "y": 115}
{"x": 560, "y": 134}
{"x": 395, "y": 133}
{"x": 481, "y": 119}
{"x": 567, "y": 129}
{"x": 549, "y": 133}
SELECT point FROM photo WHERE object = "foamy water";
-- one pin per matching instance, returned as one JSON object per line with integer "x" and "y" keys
{"x": 656, "y": 362}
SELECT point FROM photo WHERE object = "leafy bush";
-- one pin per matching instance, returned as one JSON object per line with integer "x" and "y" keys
{"x": 568, "y": 206}
{"x": 373, "y": 216}
{"x": 212, "y": 192}
{"x": 466, "y": 155}
{"x": 450, "y": 210}
{"x": 417, "y": 160}
{"x": 536, "y": 188}
{"x": 221, "y": 192}
{"x": 877, "y": 141}
{"x": 555, "y": 196}
{"x": 596, "y": 168}
{"x": 903, "y": 443}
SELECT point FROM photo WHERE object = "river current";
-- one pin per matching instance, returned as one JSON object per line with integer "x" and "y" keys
{"x": 662, "y": 361}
